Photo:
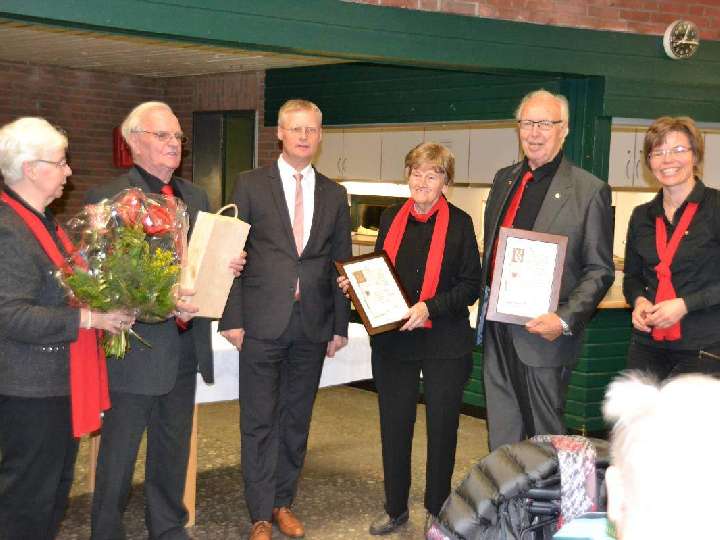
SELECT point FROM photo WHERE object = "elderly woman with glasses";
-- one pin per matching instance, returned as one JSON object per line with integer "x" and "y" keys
{"x": 48, "y": 348}
{"x": 433, "y": 248}
{"x": 672, "y": 252}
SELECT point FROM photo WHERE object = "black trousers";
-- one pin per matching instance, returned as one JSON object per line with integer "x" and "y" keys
{"x": 521, "y": 400}
{"x": 664, "y": 363}
{"x": 37, "y": 460}
{"x": 397, "y": 382}
{"x": 168, "y": 421}
{"x": 278, "y": 383}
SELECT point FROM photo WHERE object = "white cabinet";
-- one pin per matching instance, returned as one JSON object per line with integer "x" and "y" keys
{"x": 346, "y": 154}
{"x": 711, "y": 168}
{"x": 395, "y": 145}
{"x": 458, "y": 141}
{"x": 491, "y": 148}
{"x": 627, "y": 165}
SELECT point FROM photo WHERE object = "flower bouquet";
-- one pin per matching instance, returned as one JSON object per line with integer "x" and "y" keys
{"x": 128, "y": 256}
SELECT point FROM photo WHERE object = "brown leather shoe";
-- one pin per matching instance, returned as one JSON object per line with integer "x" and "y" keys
{"x": 288, "y": 522}
{"x": 261, "y": 530}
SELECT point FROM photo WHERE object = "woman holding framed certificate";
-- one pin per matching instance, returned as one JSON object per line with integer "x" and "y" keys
{"x": 432, "y": 245}
{"x": 672, "y": 252}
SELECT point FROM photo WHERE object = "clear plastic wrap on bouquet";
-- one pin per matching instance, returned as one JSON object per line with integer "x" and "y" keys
{"x": 129, "y": 253}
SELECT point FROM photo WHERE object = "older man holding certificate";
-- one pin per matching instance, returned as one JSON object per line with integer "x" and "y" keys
{"x": 527, "y": 366}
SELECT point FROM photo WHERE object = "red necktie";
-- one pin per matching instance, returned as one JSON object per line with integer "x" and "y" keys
{"x": 511, "y": 212}
{"x": 298, "y": 223}
{"x": 168, "y": 191}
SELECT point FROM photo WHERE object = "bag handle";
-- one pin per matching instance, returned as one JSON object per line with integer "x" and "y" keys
{"x": 233, "y": 206}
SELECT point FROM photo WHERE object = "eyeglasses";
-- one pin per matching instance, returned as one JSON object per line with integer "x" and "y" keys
{"x": 164, "y": 136}
{"x": 59, "y": 164}
{"x": 303, "y": 130}
{"x": 675, "y": 151}
{"x": 543, "y": 125}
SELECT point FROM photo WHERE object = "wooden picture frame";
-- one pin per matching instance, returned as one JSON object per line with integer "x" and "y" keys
{"x": 375, "y": 291}
{"x": 526, "y": 276}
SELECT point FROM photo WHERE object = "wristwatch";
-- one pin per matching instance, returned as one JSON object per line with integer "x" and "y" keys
{"x": 566, "y": 328}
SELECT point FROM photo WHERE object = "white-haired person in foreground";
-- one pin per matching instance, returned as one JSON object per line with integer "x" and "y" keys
{"x": 664, "y": 447}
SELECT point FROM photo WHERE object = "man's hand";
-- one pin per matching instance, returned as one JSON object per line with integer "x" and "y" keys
{"x": 344, "y": 284}
{"x": 238, "y": 263}
{"x": 335, "y": 344}
{"x": 184, "y": 309}
{"x": 640, "y": 313}
{"x": 416, "y": 317}
{"x": 666, "y": 313}
{"x": 547, "y": 326}
{"x": 234, "y": 336}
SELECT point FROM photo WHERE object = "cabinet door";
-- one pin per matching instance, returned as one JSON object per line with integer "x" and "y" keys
{"x": 642, "y": 176}
{"x": 458, "y": 141}
{"x": 491, "y": 149}
{"x": 621, "y": 170}
{"x": 361, "y": 160}
{"x": 395, "y": 146}
{"x": 711, "y": 170}
{"x": 329, "y": 156}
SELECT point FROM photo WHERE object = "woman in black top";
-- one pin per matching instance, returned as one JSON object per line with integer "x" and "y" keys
{"x": 433, "y": 247}
{"x": 671, "y": 259}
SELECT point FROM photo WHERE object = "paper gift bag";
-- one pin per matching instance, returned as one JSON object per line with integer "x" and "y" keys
{"x": 214, "y": 241}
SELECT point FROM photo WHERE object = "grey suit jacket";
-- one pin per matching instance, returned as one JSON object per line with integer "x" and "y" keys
{"x": 36, "y": 322}
{"x": 152, "y": 371}
{"x": 261, "y": 299}
{"x": 577, "y": 205}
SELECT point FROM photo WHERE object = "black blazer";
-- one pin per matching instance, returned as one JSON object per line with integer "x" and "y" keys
{"x": 459, "y": 286}
{"x": 261, "y": 299}
{"x": 36, "y": 322}
{"x": 152, "y": 371}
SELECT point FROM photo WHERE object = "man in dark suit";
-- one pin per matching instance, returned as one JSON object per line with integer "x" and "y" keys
{"x": 285, "y": 313}
{"x": 152, "y": 389}
{"x": 527, "y": 367}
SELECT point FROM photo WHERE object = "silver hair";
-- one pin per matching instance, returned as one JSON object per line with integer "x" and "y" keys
{"x": 27, "y": 139}
{"x": 542, "y": 93}
{"x": 133, "y": 120}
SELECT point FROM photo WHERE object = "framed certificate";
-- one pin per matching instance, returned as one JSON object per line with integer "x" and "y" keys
{"x": 375, "y": 291}
{"x": 526, "y": 276}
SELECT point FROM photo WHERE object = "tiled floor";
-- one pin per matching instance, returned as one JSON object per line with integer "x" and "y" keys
{"x": 341, "y": 490}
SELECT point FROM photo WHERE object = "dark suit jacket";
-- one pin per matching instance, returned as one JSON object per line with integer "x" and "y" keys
{"x": 577, "y": 205}
{"x": 261, "y": 299}
{"x": 36, "y": 322}
{"x": 458, "y": 287}
{"x": 152, "y": 371}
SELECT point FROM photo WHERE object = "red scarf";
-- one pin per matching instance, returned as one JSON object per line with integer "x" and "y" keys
{"x": 437, "y": 243}
{"x": 88, "y": 372}
{"x": 666, "y": 252}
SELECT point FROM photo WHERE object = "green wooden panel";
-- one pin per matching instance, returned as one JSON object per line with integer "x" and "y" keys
{"x": 595, "y": 364}
{"x": 608, "y": 335}
{"x": 583, "y": 409}
{"x": 583, "y": 424}
{"x": 579, "y": 393}
{"x": 591, "y": 380}
{"x": 472, "y": 398}
{"x": 600, "y": 350}
{"x": 611, "y": 318}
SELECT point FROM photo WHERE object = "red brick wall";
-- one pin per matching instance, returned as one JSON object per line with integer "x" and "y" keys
{"x": 86, "y": 104}
{"x": 638, "y": 16}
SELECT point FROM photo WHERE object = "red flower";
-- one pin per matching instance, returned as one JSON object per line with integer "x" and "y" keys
{"x": 130, "y": 206}
{"x": 157, "y": 220}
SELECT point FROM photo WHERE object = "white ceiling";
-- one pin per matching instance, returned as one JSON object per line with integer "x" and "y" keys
{"x": 95, "y": 51}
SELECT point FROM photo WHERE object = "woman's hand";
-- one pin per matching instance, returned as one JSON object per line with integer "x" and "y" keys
{"x": 112, "y": 321}
{"x": 640, "y": 314}
{"x": 238, "y": 263}
{"x": 416, "y": 317}
{"x": 666, "y": 313}
{"x": 344, "y": 284}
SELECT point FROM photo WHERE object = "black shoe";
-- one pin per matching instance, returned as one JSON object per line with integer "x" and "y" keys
{"x": 385, "y": 524}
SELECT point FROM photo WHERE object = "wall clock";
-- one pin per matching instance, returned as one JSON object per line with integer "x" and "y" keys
{"x": 681, "y": 39}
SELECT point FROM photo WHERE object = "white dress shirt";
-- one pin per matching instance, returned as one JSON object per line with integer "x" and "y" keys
{"x": 308, "y": 190}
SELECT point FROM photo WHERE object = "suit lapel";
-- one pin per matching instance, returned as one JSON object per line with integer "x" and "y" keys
{"x": 502, "y": 188}
{"x": 557, "y": 196}
{"x": 281, "y": 205}
{"x": 318, "y": 210}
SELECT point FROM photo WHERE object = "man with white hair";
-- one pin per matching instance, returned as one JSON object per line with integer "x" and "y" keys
{"x": 663, "y": 480}
{"x": 152, "y": 389}
{"x": 527, "y": 367}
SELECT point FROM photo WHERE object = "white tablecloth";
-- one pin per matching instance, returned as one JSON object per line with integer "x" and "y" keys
{"x": 351, "y": 363}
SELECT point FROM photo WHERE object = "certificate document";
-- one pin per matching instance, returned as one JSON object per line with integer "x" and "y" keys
{"x": 375, "y": 291}
{"x": 526, "y": 276}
